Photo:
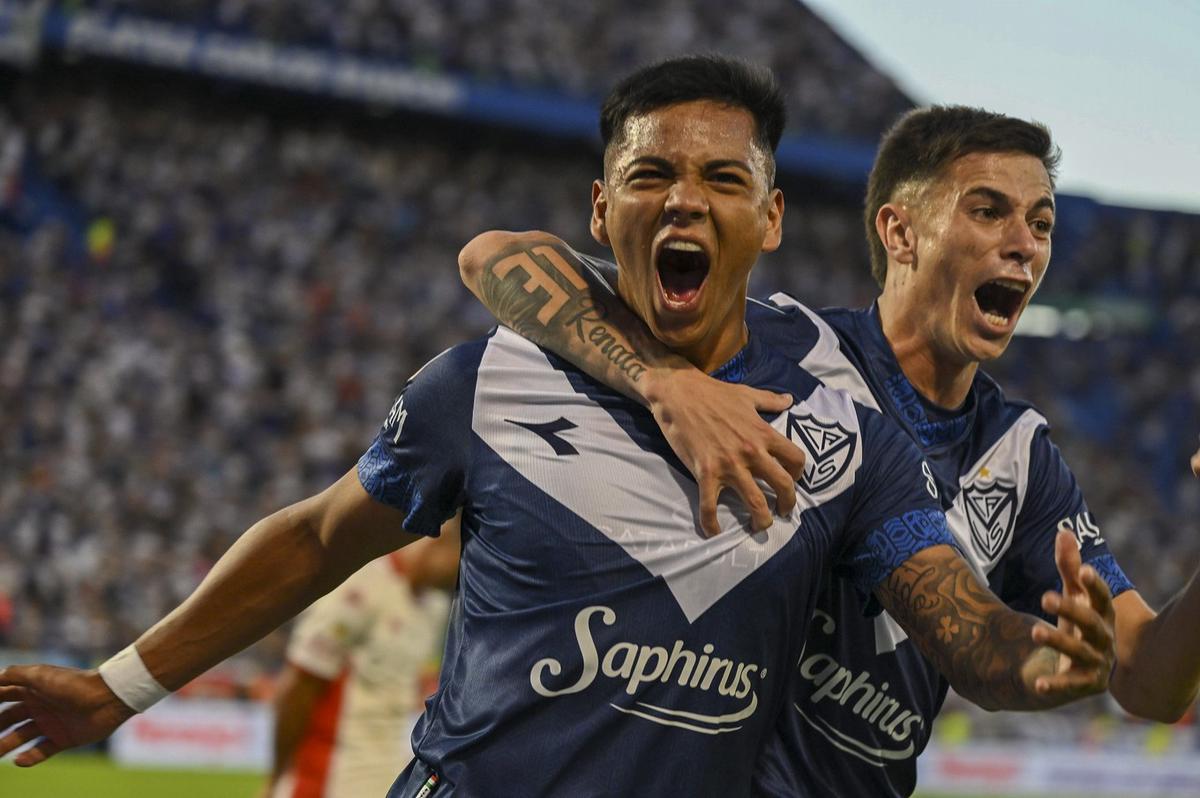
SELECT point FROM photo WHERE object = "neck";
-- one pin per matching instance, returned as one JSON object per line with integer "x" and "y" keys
{"x": 708, "y": 356}
{"x": 942, "y": 379}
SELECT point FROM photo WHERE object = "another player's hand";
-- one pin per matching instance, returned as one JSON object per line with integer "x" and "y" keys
{"x": 1084, "y": 637}
{"x": 66, "y": 706}
{"x": 1196, "y": 463}
{"x": 715, "y": 429}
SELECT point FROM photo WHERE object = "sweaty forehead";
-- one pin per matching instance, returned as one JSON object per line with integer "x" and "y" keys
{"x": 1020, "y": 175}
{"x": 697, "y": 131}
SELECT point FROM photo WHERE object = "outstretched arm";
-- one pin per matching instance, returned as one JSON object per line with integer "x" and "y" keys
{"x": 281, "y": 565}
{"x": 535, "y": 284}
{"x": 1158, "y": 654}
{"x": 991, "y": 655}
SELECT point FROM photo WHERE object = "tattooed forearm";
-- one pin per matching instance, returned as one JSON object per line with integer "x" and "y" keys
{"x": 982, "y": 647}
{"x": 541, "y": 289}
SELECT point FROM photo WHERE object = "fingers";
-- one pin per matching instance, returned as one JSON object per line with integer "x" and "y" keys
{"x": 1098, "y": 592}
{"x": 756, "y": 503}
{"x": 788, "y": 455}
{"x": 709, "y": 489}
{"x": 13, "y": 692}
{"x": 782, "y": 484}
{"x": 13, "y": 715}
{"x": 769, "y": 401}
{"x": 1072, "y": 684}
{"x": 1081, "y": 651}
{"x": 18, "y": 737}
{"x": 36, "y": 755}
{"x": 1196, "y": 463}
{"x": 1066, "y": 557}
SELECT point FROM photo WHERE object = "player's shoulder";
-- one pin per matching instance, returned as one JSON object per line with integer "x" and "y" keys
{"x": 789, "y": 326}
{"x": 997, "y": 410}
{"x": 453, "y": 366}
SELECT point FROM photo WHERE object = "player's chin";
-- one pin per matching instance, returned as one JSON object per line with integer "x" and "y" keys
{"x": 984, "y": 349}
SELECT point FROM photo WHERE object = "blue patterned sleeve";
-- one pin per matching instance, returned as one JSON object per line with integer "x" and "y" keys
{"x": 418, "y": 463}
{"x": 895, "y": 541}
{"x": 1054, "y": 501}
{"x": 897, "y": 509}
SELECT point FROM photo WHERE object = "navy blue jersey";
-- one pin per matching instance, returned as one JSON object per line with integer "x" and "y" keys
{"x": 599, "y": 643}
{"x": 863, "y": 698}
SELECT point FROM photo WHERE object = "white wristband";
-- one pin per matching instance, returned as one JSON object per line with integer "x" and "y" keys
{"x": 127, "y": 676}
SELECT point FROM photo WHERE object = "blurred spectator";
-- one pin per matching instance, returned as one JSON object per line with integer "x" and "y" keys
{"x": 572, "y": 46}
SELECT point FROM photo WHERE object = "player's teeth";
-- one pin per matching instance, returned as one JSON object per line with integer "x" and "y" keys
{"x": 683, "y": 246}
{"x": 1015, "y": 285}
{"x": 997, "y": 319}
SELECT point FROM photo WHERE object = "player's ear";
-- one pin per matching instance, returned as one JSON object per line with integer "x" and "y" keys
{"x": 599, "y": 209}
{"x": 893, "y": 225}
{"x": 774, "y": 232}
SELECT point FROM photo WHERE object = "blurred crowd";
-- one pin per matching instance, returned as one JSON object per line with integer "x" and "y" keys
{"x": 208, "y": 304}
{"x": 571, "y": 46}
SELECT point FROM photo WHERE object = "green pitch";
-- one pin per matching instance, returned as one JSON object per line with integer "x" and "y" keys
{"x": 96, "y": 777}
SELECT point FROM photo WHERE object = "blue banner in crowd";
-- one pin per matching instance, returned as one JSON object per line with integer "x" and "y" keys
{"x": 221, "y": 55}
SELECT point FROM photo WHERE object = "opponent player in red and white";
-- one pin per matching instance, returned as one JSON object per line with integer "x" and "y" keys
{"x": 352, "y": 686}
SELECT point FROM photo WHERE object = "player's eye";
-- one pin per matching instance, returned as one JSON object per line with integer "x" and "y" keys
{"x": 647, "y": 173}
{"x": 986, "y": 213}
{"x": 1043, "y": 226}
{"x": 731, "y": 178}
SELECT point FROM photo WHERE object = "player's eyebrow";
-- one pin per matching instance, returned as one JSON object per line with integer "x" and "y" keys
{"x": 991, "y": 194}
{"x": 667, "y": 166}
{"x": 726, "y": 162}
{"x": 650, "y": 160}
{"x": 1000, "y": 198}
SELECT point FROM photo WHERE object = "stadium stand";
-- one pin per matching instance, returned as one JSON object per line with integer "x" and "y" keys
{"x": 831, "y": 88}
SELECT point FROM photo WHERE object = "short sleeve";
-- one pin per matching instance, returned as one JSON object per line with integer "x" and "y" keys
{"x": 327, "y": 632}
{"x": 1054, "y": 500}
{"x": 897, "y": 511}
{"x": 418, "y": 463}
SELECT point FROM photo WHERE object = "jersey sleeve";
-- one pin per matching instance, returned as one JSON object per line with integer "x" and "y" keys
{"x": 1055, "y": 500}
{"x": 418, "y": 463}
{"x": 327, "y": 632}
{"x": 897, "y": 511}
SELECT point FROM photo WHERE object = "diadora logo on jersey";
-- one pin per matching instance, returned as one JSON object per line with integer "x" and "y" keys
{"x": 828, "y": 686}
{"x": 640, "y": 665}
{"x": 396, "y": 416}
{"x": 1085, "y": 528}
{"x": 830, "y": 448}
{"x": 991, "y": 512}
{"x": 549, "y": 432}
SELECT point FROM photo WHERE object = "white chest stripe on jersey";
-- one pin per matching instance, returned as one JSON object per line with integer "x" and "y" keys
{"x": 991, "y": 494}
{"x": 825, "y": 360}
{"x": 626, "y": 493}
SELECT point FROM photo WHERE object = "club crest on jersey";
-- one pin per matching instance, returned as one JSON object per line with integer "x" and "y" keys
{"x": 992, "y": 512}
{"x": 829, "y": 445}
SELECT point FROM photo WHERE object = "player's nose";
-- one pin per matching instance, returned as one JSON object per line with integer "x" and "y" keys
{"x": 1020, "y": 244}
{"x": 686, "y": 202}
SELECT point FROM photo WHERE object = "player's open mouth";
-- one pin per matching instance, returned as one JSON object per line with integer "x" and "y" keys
{"x": 1000, "y": 300}
{"x": 682, "y": 270}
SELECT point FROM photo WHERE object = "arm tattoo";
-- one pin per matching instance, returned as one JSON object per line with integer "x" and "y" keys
{"x": 981, "y": 646}
{"x": 544, "y": 293}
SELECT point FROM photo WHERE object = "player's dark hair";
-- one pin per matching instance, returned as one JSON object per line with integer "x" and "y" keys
{"x": 721, "y": 79}
{"x": 925, "y": 141}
